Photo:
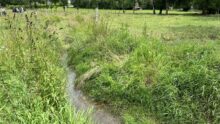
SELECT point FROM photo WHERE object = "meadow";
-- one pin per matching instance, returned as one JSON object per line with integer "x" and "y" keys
{"x": 32, "y": 77}
{"x": 143, "y": 68}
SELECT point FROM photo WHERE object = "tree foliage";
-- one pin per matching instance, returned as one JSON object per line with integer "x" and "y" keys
{"x": 207, "y": 6}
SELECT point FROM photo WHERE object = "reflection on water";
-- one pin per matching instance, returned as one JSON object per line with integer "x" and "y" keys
{"x": 78, "y": 100}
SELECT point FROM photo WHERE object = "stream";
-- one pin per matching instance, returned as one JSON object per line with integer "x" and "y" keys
{"x": 78, "y": 100}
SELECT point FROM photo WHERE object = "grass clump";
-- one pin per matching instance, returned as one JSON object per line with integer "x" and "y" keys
{"x": 32, "y": 80}
{"x": 166, "y": 82}
{"x": 149, "y": 71}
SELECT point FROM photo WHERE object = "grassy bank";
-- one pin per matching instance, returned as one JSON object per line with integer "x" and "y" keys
{"x": 143, "y": 68}
{"x": 154, "y": 69}
{"x": 32, "y": 79}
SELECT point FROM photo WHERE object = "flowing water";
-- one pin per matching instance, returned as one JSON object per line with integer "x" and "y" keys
{"x": 78, "y": 100}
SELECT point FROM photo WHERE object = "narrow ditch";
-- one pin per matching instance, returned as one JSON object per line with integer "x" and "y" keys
{"x": 78, "y": 100}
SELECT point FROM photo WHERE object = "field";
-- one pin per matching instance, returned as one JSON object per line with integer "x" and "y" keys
{"x": 32, "y": 79}
{"x": 140, "y": 67}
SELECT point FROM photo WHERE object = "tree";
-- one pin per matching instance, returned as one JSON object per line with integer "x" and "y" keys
{"x": 64, "y": 2}
{"x": 207, "y": 6}
{"x": 184, "y": 4}
{"x": 167, "y": 6}
{"x": 154, "y": 7}
{"x": 160, "y": 4}
{"x": 77, "y": 4}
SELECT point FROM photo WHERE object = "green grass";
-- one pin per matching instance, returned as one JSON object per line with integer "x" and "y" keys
{"x": 32, "y": 79}
{"x": 155, "y": 69}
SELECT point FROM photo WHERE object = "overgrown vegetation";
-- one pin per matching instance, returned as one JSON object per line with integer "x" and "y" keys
{"x": 143, "y": 70}
{"x": 32, "y": 80}
{"x": 168, "y": 74}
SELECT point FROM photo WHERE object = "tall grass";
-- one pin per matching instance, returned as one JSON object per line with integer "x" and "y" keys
{"x": 148, "y": 80}
{"x": 32, "y": 80}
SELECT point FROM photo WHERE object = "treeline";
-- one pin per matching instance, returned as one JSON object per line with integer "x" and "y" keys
{"x": 207, "y": 6}
{"x": 34, "y": 3}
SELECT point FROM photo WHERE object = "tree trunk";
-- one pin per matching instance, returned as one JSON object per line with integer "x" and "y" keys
{"x": 134, "y": 7}
{"x": 77, "y": 7}
{"x": 153, "y": 4}
{"x": 161, "y": 10}
{"x": 112, "y": 3}
{"x": 46, "y": 3}
{"x": 64, "y": 8}
{"x": 123, "y": 7}
{"x": 35, "y": 4}
{"x": 167, "y": 7}
{"x": 204, "y": 11}
{"x": 30, "y": 3}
